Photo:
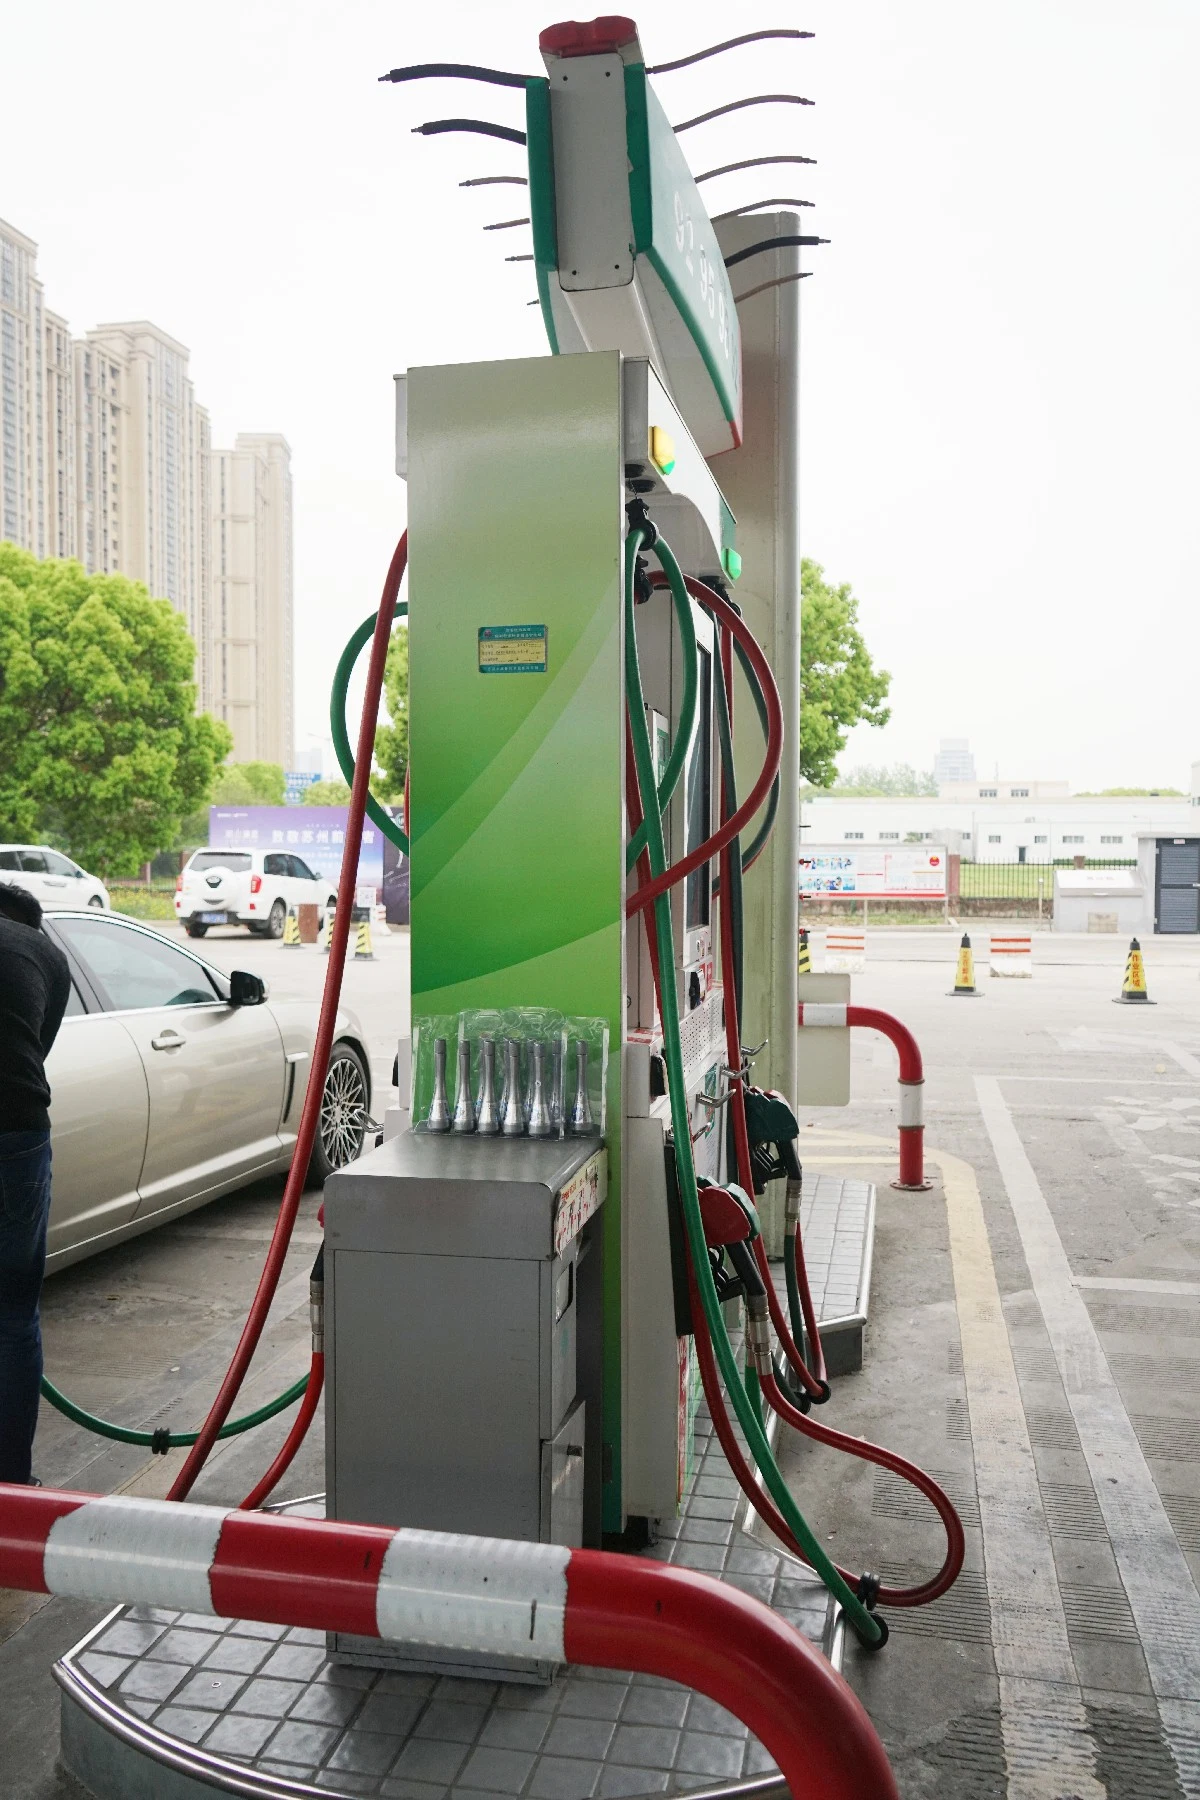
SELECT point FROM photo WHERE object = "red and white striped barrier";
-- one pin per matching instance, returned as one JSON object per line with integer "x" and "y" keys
{"x": 912, "y": 1078}
{"x": 1012, "y": 955}
{"x": 485, "y": 1595}
{"x": 845, "y": 952}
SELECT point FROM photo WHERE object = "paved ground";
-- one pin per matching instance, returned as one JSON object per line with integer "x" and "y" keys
{"x": 1059, "y": 1396}
{"x": 1064, "y": 1415}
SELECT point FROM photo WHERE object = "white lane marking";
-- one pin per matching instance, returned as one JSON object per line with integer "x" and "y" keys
{"x": 1153, "y": 1569}
{"x": 156, "y": 1552}
{"x": 1137, "y": 1284}
{"x": 1047, "y": 1744}
{"x": 478, "y": 1594}
{"x": 1187, "y": 1062}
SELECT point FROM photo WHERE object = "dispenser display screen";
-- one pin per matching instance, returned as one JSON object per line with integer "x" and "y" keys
{"x": 697, "y": 904}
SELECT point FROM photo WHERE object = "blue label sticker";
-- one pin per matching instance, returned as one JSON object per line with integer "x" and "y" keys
{"x": 512, "y": 649}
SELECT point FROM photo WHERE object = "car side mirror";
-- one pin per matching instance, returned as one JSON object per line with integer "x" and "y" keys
{"x": 246, "y": 989}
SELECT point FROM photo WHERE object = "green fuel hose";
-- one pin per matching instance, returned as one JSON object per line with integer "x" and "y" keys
{"x": 161, "y": 1441}
{"x": 394, "y": 833}
{"x": 867, "y": 1627}
{"x": 688, "y": 706}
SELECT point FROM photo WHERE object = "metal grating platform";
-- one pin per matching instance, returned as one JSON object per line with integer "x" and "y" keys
{"x": 164, "y": 1706}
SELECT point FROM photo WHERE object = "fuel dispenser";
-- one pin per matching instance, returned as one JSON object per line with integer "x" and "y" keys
{"x": 520, "y": 1298}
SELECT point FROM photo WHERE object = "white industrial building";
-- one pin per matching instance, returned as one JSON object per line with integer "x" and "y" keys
{"x": 1021, "y": 827}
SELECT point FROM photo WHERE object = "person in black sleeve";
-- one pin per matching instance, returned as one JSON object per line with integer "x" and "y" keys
{"x": 34, "y": 986}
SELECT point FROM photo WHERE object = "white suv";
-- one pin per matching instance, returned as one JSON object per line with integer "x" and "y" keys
{"x": 52, "y": 877}
{"x": 246, "y": 887}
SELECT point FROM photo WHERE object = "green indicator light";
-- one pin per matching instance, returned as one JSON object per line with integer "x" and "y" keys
{"x": 732, "y": 562}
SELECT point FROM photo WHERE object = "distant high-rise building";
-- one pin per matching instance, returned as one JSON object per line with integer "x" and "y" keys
{"x": 22, "y": 392}
{"x": 106, "y": 456}
{"x": 953, "y": 761}
{"x": 252, "y": 595}
{"x": 146, "y": 488}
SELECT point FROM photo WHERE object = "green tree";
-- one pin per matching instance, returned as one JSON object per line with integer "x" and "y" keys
{"x": 839, "y": 684}
{"x": 1119, "y": 793}
{"x": 101, "y": 748}
{"x": 895, "y": 780}
{"x": 248, "y": 784}
{"x": 327, "y": 793}
{"x": 391, "y": 741}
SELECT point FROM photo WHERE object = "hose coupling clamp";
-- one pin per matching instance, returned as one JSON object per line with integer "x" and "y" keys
{"x": 791, "y": 1202}
{"x": 868, "y": 1589}
{"x": 758, "y": 1336}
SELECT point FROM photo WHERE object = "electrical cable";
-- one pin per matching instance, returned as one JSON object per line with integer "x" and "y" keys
{"x": 747, "y": 37}
{"x": 771, "y": 243}
{"x": 478, "y": 127}
{"x": 322, "y": 1046}
{"x": 749, "y": 162}
{"x": 458, "y": 72}
{"x": 730, "y": 106}
{"x": 735, "y": 212}
{"x": 161, "y": 1439}
{"x": 779, "y": 281}
{"x": 860, "y": 1618}
{"x": 506, "y": 224}
{"x": 496, "y": 181}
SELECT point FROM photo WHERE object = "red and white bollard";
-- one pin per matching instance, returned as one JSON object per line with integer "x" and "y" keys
{"x": 485, "y": 1595}
{"x": 912, "y": 1079}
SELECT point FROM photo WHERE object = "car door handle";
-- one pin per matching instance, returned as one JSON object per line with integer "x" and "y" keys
{"x": 56, "y": 881}
{"x": 170, "y": 1040}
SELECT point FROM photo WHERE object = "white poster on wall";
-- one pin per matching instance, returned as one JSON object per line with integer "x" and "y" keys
{"x": 874, "y": 871}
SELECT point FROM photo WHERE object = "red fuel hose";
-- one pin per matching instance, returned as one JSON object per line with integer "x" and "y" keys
{"x": 725, "y": 615}
{"x": 310, "y": 1114}
{"x": 814, "y": 1379}
{"x": 858, "y": 1447}
{"x": 837, "y": 1440}
{"x": 898, "y": 1465}
{"x": 294, "y": 1439}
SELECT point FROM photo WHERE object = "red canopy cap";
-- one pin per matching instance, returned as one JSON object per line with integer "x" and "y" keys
{"x": 595, "y": 37}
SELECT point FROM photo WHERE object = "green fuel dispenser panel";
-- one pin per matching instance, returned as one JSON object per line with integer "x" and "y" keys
{"x": 517, "y": 717}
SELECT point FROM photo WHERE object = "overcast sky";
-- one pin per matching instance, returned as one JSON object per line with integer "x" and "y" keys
{"x": 1001, "y": 346}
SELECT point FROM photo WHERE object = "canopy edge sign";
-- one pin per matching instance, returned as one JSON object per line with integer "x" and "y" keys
{"x": 876, "y": 872}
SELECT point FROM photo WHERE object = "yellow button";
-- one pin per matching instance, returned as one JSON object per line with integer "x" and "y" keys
{"x": 662, "y": 450}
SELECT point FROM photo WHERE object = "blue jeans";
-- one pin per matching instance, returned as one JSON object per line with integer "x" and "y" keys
{"x": 24, "y": 1212}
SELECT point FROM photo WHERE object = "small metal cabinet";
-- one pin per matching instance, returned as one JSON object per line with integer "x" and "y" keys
{"x": 462, "y": 1330}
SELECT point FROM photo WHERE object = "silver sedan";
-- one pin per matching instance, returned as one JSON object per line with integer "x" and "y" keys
{"x": 173, "y": 1083}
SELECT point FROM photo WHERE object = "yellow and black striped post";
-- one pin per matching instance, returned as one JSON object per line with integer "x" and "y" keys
{"x": 362, "y": 942}
{"x": 291, "y": 930}
{"x": 803, "y": 954}
{"x": 1133, "y": 988}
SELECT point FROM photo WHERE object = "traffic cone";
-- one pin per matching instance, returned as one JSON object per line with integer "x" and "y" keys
{"x": 326, "y": 938}
{"x": 362, "y": 943}
{"x": 291, "y": 930}
{"x": 1133, "y": 988}
{"x": 964, "y": 974}
{"x": 803, "y": 954}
